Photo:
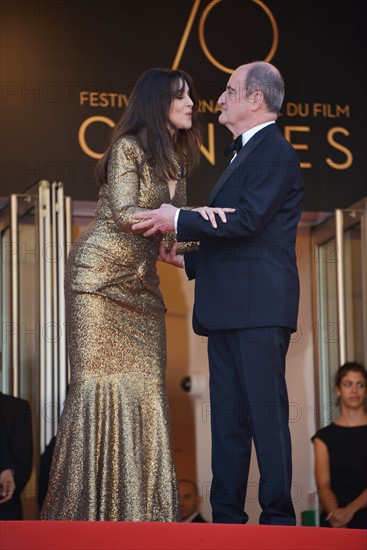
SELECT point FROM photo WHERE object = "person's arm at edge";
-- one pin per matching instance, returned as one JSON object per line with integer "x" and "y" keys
{"x": 22, "y": 446}
{"x": 328, "y": 500}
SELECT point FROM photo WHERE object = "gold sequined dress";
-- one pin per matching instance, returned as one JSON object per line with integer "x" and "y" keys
{"x": 113, "y": 458}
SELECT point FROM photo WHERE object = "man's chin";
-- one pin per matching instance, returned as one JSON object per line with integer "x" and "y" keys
{"x": 222, "y": 119}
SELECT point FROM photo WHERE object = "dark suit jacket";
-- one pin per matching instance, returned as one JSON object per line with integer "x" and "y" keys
{"x": 6, "y": 462}
{"x": 15, "y": 417}
{"x": 245, "y": 270}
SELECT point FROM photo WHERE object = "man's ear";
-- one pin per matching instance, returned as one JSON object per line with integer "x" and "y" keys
{"x": 258, "y": 98}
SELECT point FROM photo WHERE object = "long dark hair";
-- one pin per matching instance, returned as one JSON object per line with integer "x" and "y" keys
{"x": 147, "y": 117}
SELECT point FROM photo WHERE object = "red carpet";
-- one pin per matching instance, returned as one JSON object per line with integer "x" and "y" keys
{"x": 48, "y": 535}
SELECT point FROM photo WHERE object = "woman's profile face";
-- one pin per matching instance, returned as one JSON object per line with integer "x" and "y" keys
{"x": 180, "y": 113}
{"x": 352, "y": 390}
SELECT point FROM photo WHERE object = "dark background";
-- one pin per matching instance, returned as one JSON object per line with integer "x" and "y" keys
{"x": 53, "y": 50}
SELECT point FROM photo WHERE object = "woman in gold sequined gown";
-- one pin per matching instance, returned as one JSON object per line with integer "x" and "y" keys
{"x": 113, "y": 457}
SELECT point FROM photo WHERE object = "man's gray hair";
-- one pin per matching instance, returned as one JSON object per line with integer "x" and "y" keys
{"x": 264, "y": 77}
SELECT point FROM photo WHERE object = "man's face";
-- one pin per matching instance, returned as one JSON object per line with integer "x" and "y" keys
{"x": 189, "y": 500}
{"x": 235, "y": 106}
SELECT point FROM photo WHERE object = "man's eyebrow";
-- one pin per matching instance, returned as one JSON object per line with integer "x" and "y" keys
{"x": 230, "y": 89}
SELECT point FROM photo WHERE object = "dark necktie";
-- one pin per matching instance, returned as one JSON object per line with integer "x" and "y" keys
{"x": 233, "y": 146}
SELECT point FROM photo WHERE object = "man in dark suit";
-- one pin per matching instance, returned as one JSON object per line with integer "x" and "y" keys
{"x": 16, "y": 422}
{"x": 189, "y": 502}
{"x": 246, "y": 295}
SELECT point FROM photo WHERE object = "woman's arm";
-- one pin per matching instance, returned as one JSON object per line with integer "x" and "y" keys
{"x": 169, "y": 239}
{"x": 170, "y": 256}
{"x": 337, "y": 517}
{"x": 123, "y": 178}
{"x": 328, "y": 500}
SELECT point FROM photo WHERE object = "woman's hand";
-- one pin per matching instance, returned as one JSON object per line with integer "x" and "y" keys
{"x": 208, "y": 213}
{"x": 170, "y": 257}
{"x": 340, "y": 517}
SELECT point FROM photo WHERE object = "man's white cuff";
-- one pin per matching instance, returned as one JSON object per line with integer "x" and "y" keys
{"x": 176, "y": 218}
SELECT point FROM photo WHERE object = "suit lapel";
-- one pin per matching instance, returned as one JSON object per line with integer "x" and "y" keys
{"x": 240, "y": 158}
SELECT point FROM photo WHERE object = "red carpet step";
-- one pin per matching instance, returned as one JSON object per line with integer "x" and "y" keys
{"x": 60, "y": 535}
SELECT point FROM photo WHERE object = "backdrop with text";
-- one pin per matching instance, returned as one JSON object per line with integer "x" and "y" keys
{"x": 68, "y": 68}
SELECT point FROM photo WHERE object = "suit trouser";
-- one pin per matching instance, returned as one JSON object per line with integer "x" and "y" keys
{"x": 11, "y": 510}
{"x": 249, "y": 401}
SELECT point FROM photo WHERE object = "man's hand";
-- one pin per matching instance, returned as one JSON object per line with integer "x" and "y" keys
{"x": 170, "y": 257}
{"x": 7, "y": 486}
{"x": 161, "y": 219}
{"x": 208, "y": 213}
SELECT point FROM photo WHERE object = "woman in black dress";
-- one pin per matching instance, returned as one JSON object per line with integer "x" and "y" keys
{"x": 341, "y": 454}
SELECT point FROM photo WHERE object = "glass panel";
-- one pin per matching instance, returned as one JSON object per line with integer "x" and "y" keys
{"x": 28, "y": 310}
{"x": 6, "y": 327}
{"x": 339, "y": 332}
{"x": 354, "y": 306}
{"x": 327, "y": 329}
{"x": 22, "y": 329}
{"x": 26, "y": 328}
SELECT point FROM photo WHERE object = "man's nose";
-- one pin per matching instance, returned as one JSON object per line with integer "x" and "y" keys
{"x": 221, "y": 98}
